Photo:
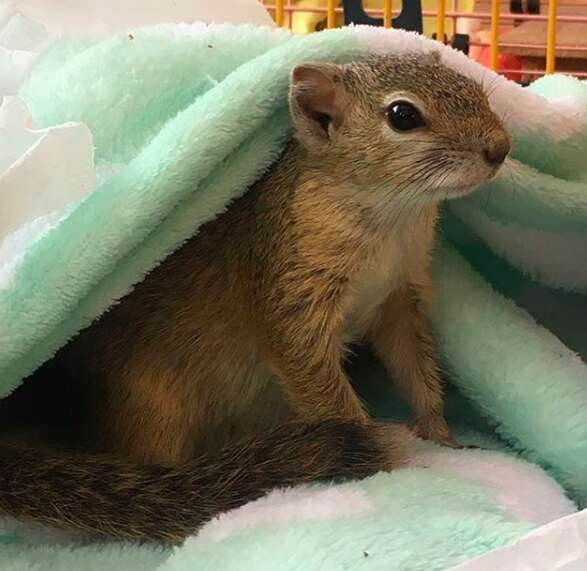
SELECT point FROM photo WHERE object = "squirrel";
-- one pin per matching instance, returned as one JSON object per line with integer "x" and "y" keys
{"x": 221, "y": 375}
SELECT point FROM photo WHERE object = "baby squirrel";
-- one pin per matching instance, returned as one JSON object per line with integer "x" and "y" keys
{"x": 221, "y": 375}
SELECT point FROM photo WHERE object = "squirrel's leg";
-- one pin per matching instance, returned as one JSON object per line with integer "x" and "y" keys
{"x": 150, "y": 418}
{"x": 402, "y": 340}
{"x": 305, "y": 350}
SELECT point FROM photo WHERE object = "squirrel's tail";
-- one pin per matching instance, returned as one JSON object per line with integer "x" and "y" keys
{"x": 116, "y": 498}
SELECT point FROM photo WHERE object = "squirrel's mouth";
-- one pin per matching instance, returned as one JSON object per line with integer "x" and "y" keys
{"x": 469, "y": 181}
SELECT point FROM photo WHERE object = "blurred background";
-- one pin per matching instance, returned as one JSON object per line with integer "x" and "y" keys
{"x": 522, "y": 39}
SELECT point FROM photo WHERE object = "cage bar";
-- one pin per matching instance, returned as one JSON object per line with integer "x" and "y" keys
{"x": 280, "y": 12}
{"x": 387, "y": 14}
{"x": 494, "y": 41}
{"x": 551, "y": 37}
{"x": 331, "y": 14}
{"x": 440, "y": 20}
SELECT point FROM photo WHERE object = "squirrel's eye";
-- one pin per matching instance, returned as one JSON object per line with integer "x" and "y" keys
{"x": 404, "y": 116}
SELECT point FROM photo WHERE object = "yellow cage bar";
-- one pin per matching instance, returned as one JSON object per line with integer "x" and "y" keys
{"x": 387, "y": 13}
{"x": 551, "y": 37}
{"x": 441, "y": 20}
{"x": 280, "y": 12}
{"x": 331, "y": 14}
{"x": 494, "y": 34}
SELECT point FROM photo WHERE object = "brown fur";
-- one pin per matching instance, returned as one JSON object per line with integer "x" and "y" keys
{"x": 246, "y": 326}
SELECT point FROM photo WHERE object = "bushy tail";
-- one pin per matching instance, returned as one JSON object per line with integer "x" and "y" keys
{"x": 115, "y": 498}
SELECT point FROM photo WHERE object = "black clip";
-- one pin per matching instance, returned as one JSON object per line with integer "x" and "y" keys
{"x": 409, "y": 19}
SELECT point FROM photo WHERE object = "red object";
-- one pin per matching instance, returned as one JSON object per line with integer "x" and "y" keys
{"x": 504, "y": 61}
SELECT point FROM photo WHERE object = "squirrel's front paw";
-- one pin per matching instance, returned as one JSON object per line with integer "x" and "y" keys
{"x": 436, "y": 430}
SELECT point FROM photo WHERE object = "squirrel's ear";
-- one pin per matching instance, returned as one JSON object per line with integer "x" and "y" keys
{"x": 316, "y": 100}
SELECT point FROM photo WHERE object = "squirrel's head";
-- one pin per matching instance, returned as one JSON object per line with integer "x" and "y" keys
{"x": 404, "y": 125}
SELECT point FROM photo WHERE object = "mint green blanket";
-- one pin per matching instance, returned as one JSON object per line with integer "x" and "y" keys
{"x": 184, "y": 119}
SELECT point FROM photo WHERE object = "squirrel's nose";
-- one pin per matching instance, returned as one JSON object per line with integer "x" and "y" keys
{"x": 497, "y": 150}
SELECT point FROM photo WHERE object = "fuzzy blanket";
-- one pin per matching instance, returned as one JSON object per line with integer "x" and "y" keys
{"x": 181, "y": 120}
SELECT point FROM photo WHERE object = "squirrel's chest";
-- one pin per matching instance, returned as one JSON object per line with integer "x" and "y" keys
{"x": 381, "y": 274}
